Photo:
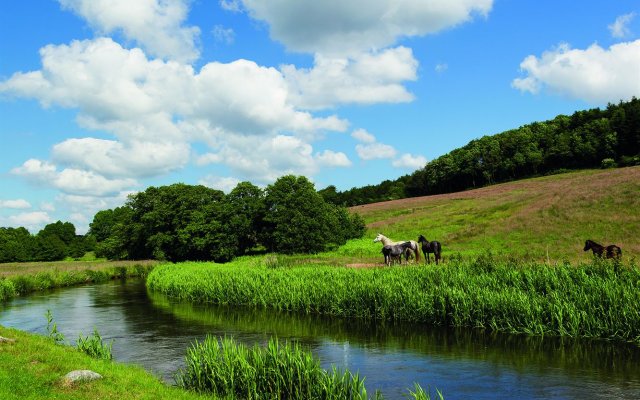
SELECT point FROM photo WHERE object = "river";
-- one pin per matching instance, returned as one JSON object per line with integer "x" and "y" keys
{"x": 154, "y": 331}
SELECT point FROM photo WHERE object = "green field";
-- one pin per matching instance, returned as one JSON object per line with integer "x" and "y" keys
{"x": 544, "y": 219}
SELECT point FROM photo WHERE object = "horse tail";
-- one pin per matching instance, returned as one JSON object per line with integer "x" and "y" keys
{"x": 416, "y": 250}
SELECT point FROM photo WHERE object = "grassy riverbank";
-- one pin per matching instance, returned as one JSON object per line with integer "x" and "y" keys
{"x": 33, "y": 366}
{"x": 599, "y": 299}
{"x": 21, "y": 279}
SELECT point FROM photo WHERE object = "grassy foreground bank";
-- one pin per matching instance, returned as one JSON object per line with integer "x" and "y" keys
{"x": 33, "y": 366}
{"x": 20, "y": 281}
{"x": 599, "y": 299}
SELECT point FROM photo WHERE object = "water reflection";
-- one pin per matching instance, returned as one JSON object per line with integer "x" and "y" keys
{"x": 154, "y": 331}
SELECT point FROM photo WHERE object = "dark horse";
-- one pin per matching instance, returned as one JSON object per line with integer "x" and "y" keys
{"x": 430, "y": 247}
{"x": 395, "y": 251}
{"x": 611, "y": 251}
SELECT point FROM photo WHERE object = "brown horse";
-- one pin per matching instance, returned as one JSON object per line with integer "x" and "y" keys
{"x": 611, "y": 251}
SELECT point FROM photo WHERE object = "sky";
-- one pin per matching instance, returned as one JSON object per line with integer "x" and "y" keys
{"x": 100, "y": 99}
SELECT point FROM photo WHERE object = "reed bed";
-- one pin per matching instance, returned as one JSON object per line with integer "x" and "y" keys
{"x": 279, "y": 371}
{"x": 19, "y": 285}
{"x": 600, "y": 299}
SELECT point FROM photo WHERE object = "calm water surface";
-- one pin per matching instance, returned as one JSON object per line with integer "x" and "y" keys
{"x": 154, "y": 332}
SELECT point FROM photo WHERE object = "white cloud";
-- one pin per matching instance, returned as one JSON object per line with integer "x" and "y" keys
{"x": 222, "y": 34}
{"x": 117, "y": 159}
{"x": 620, "y": 28}
{"x": 595, "y": 75}
{"x": 156, "y": 109}
{"x": 362, "y": 79}
{"x": 408, "y": 161}
{"x": 231, "y": 5}
{"x": 329, "y": 158}
{"x": 82, "y": 208}
{"x": 156, "y": 25}
{"x": 16, "y": 204}
{"x": 33, "y": 221}
{"x": 375, "y": 151}
{"x": 47, "y": 206}
{"x": 226, "y": 184}
{"x": 71, "y": 181}
{"x": 363, "y": 136}
{"x": 337, "y": 27}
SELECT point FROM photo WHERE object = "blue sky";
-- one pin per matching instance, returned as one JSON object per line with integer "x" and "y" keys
{"x": 103, "y": 98}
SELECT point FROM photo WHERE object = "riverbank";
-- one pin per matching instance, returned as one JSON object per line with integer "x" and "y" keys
{"x": 33, "y": 367}
{"x": 600, "y": 299}
{"x": 21, "y": 279}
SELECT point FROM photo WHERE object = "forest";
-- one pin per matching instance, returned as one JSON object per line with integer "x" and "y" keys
{"x": 587, "y": 139}
{"x": 192, "y": 222}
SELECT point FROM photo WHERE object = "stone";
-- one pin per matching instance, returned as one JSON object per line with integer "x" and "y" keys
{"x": 6, "y": 340}
{"x": 81, "y": 375}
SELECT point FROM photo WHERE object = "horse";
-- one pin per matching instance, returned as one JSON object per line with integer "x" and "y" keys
{"x": 395, "y": 251}
{"x": 611, "y": 251}
{"x": 386, "y": 242}
{"x": 430, "y": 247}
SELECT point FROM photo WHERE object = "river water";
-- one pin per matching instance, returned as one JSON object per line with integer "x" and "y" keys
{"x": 154, "y": 331}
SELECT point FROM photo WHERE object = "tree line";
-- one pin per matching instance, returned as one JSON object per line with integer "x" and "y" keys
{"x": 587, "y": 139}
{"x": 192, "y": 222}
{"x": 54, "y": 242}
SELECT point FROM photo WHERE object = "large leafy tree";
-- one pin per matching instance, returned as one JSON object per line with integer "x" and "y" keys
{"x": 16, "y": 245}
{"x": 298, "y": 220}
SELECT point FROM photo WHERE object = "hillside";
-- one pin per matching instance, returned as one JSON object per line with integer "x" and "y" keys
{"x": 548, "y": 217}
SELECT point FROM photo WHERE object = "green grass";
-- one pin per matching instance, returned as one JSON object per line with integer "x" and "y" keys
{"x": 19, "y": 285}
{"x": 278, "y": 371}
{"x": 541, "y": 219}
{"x": 600, "y": 299}
{"x": 33, "y": 366}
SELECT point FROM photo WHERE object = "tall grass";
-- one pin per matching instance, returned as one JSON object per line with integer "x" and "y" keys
{"x": 278, "y": 371}
{"x": 94, "y": 346}
{"x": 19, "y": 285}
{"x": 598, "y": 299}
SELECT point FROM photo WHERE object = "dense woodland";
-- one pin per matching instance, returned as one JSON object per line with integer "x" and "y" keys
{"x": 185, "y": 222}
{"x": 587, "y": 139}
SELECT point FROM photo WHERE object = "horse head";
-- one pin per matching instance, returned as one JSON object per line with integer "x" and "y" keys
{"x": 588, "y": 244}
{"x": 378, "y": 238}
{"x": 422, "y": 239}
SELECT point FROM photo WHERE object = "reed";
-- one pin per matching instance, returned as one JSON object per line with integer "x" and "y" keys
{"x": 19, "y": 285}
{"x": 599, "y": 299}
{"x": 228, "y": 369}
{"x": 94, "y": 346}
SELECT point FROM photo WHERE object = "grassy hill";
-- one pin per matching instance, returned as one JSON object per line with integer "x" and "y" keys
{"x": 542, "y": 219}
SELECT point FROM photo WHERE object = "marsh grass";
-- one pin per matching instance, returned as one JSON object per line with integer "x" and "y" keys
{"x": 599, "y": 299}
{"x": 37, "y": 279}
{"x": 228, "y": 369}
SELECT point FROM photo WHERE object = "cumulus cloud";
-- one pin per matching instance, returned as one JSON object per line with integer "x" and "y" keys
{"x": 336, "y": 27}
{"x": 70, "y": 180}
{"x": 363, "y": 79}
{"x": 363, "y": 136}
{"x": 620, "y": 28}
{"x": 409, "y": 161}
{"x": 155, "y": 25}
{"x": 375, "y": 151}
{"x": 330, "y": 158}
{"x": 33, "y": 221}
{"x": 156, "y": 109}
{"x": 224, "y": 183}
{"x": 16, "y": 204}
{"x": 596, "y": 75}
{"x": 279, "y": 155}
